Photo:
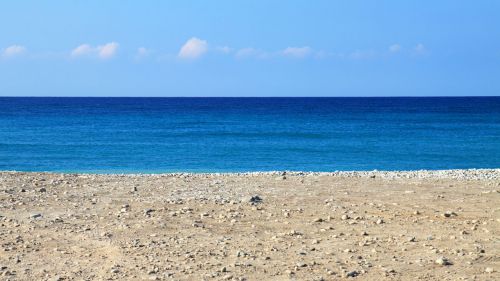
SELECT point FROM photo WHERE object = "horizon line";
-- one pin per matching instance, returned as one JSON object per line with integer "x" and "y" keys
{"x": 457, "y": 96}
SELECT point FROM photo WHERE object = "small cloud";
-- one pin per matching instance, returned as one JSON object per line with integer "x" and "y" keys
{"x": 142, "y": 52}
{"x": 251, "y": 52}
{"x": 420, "y": 49}
{"x": 13, "y": 51}
{"x": 105, "y": 51}
{"x": 323, "y": 54}
{"x": 358, "y": 55}
{"x": 193, "y": 48}
{"x": 108, "y": 50}
{"x": 395, "y": 48}
{"x": 81, "y": 50}
{"x": 297, "y": 52}
{"x": 224, "y": 49}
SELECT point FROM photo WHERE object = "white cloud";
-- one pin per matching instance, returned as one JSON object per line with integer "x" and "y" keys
{"x": 395, "y": 48}
{"x": 142, "y": 52}
{"x": 81, "y": 50}
{"x": 108, "y": 50}
{"x": 420, "y": 49}
{"x": 193, "y": 48}
{"x": 359, "y": 55}
{"x": 224, "y": 49}
{"x": 12, "y": 51}
{"x": 251, "y": 52}
{"x": 105, "y": 51}
{"x": 297, "y": 52}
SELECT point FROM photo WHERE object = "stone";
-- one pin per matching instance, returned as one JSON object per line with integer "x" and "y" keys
{"x": 379, "y": 221}
{"x": 443, "y": 261}
{"x": 36, "y": 216}
{"x": 301, "y": 264}
{"x": 353, "y": 273}
{"x": 255, "y": 199}
{"x": 448, "y": 214}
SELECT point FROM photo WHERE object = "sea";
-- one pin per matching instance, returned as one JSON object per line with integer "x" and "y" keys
{"x": 162, "y": 135}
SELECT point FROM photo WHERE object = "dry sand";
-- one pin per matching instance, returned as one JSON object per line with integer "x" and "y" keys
{"x": 441, "y": 225}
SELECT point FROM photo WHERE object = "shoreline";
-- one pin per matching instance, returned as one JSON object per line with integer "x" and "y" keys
{"x": 475, "y": 174}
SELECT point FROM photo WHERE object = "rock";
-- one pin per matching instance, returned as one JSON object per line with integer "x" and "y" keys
{"x": 379, "y": 221}
{"x": 345, "y": 217}
{"x": 489, "y": 270}
{"x": 353, "y": 273}
{"x": 42, "y": 189}
{"x": 36, "y": 216}
{"x": 255, "y": 199}
{"x": 301, "y": 264}
{"x": 148, "y": 212}
{"x": 443, "y": 261}
{"x": 448, "y": 214}
{"x": 318, "y": 220}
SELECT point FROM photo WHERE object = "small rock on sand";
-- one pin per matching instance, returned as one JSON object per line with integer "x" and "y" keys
{"x": 443, "y": 261}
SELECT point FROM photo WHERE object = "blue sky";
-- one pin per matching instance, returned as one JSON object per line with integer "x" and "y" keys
{"x": 249, "y": 48}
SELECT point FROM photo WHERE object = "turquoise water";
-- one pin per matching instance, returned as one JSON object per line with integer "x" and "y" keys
{"x": 107, "y": 135}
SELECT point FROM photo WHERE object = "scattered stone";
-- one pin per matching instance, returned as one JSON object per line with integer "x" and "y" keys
{"x": 489, "y": 270}
{"x": 353, "y": 273}
{"x": 36, "y": 216}
{"x": 301, "y": 264}
{"x": 448, "y": 214}
{"x": 443, "y": 261}
{"x": 255, "y": 199}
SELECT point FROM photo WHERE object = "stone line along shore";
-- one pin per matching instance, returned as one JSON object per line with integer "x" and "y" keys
{"x": 464, "y": 174}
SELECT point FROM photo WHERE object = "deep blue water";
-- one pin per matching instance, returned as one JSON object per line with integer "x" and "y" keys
{"x": 248, "y": 134}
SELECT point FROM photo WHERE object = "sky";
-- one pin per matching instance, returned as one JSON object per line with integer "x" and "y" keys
{"x": 249, "y": 48}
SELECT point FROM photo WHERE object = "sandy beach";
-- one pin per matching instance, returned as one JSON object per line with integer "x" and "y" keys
{"x": 441, "y": 225}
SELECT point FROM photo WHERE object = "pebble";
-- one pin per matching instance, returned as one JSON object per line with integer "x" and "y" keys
{"x": 353, "y": 273}
{"x": 301, "y": 264}
{"x": 448, "y": 214}
{"x": 255, "y": 199}
{"x": 36, "y": 216}
{"x": 489, "y": 270}
{"x": 443, "y": 261}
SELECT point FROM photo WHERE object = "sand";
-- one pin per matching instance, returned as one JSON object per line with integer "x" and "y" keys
{"x": 442, "y": 225}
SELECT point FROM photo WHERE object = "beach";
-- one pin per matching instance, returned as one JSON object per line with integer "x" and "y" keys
{"x": 417, "y": 225}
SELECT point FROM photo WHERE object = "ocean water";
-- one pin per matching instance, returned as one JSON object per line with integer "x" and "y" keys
{"x": 153, "y": 135}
